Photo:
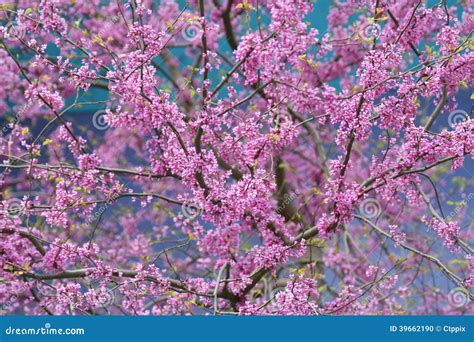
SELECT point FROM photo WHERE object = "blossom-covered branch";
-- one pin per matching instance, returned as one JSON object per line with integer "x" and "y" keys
{"x": 243, "y": 157}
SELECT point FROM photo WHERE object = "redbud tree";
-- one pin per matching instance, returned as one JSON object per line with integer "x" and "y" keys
{"x": 236, "y": 157}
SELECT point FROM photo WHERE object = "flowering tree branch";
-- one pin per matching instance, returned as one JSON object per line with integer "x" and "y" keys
{"x": 228, "y": 157}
